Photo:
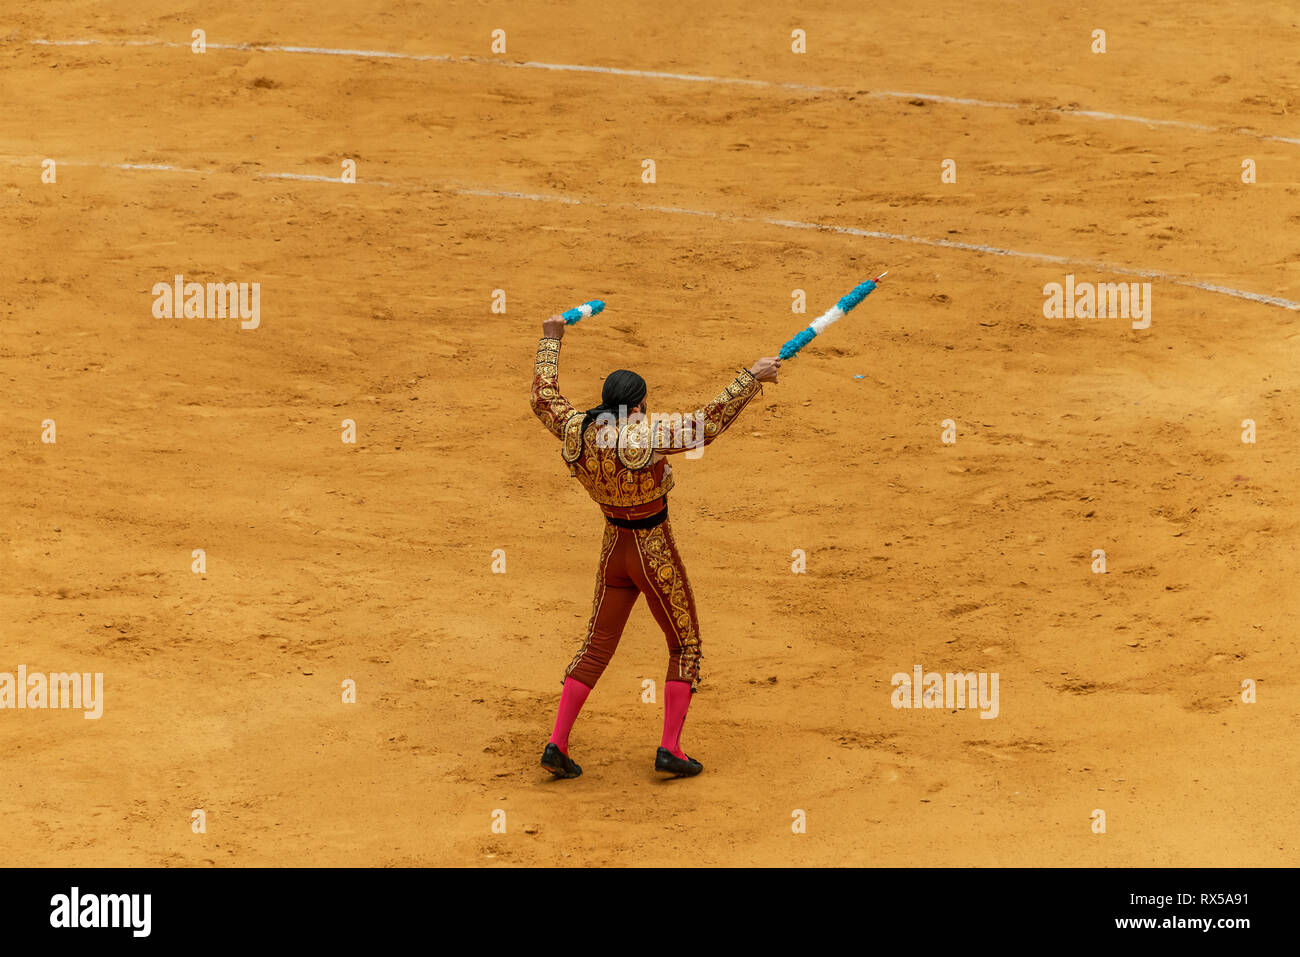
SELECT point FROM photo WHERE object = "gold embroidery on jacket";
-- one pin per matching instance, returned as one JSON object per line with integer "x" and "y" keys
{"x": 609, "y": 482}
{"x": 634, "y": 448}
{"x": 572, "y": 437}
{"x": 548, "y": 404}
{"x": 619, "y": 469}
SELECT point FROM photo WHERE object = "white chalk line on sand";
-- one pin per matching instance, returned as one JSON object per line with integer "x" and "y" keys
{"x": 687, "y": 78}
{"x": 480, "y": 193}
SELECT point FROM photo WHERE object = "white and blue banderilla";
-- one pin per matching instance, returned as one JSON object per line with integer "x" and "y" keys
{"x": 582, "y": 312}
{"x": 818, "y": 325}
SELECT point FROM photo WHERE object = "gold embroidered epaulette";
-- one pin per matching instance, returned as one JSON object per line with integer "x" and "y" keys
{"x": 634, "y": 446}
{"x": 572, "y": 447}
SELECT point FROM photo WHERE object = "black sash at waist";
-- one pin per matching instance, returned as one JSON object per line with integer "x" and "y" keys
{"x": 649, "y": 522}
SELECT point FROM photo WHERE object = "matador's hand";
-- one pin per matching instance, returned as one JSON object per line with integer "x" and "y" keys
{"x": 553, "y": 328}
{"x": 766, "y": 369}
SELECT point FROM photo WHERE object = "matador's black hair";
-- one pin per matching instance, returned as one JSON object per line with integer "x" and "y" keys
{"x": 621, "y": 389}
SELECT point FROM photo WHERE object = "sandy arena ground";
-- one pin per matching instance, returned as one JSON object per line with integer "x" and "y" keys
{"x": 373, "y": 561}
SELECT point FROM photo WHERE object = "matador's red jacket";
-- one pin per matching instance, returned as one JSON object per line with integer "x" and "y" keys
{"x": 624, "y": 469}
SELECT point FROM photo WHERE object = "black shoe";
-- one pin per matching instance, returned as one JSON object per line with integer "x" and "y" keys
{"x": 669, "y": 763}
{"x": 559, "y": 763}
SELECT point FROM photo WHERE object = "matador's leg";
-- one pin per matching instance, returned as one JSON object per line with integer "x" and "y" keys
{"x": 616, "y": 593}
{"x": 662, "y": 576}
{"x": 615, "y": 596}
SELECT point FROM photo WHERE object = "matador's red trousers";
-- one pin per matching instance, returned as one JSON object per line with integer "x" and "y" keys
{"x": 636, "y": 561}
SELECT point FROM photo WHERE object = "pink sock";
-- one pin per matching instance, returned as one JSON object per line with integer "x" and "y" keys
{"x": 572, "y": 699}
{"x": 677, "y": 698}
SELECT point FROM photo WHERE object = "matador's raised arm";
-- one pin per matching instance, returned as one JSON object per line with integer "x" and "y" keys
{"x": 680, "y": 433}
{"x": 548, "y": 404}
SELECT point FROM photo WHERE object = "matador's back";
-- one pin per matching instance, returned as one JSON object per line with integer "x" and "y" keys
{"x": 622, "y": 465}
